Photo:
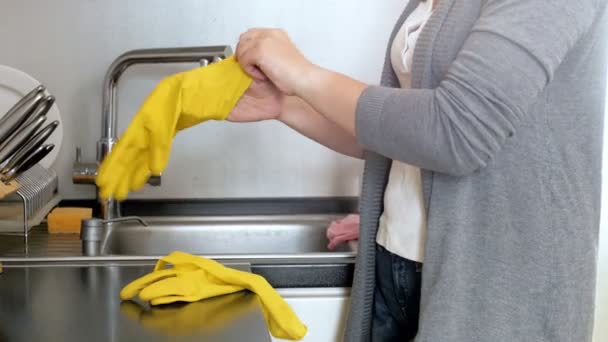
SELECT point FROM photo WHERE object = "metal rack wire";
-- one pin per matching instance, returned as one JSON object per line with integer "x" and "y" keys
{"x": 28, "y": 206}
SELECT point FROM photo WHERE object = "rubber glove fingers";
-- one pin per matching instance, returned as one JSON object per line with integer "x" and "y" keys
{"x": 210, "y": 291}
{"x": 109, "y": 171}
{"x": 107, "y": 190}
{"x": 118, "y": 163}
{"x": 177, "y": 285}
{"x": 218, "y": 271}
{"x": 140, "y": 175}
{"x": 187, "y": 284}
{"x": 122, "y": 189}
{"x": 133, "y": 288}
{"x": 134, "y": 178}
{"x": 114, "y": 180}
{"x": 159, "y": 158}
{"x": 117, "y": 180}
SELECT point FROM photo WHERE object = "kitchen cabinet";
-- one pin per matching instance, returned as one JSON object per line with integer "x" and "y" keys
{"x": 323, "y": 310}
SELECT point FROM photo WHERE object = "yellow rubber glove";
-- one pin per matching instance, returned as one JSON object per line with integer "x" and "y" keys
{"x": 178, "y": 102}
{"x": 207, "y": 316}
{"x": 194, "y": 278}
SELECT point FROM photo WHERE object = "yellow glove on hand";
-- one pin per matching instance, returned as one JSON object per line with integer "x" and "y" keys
{"x": 194, "y": 278}
{"x": 178, "y": 102}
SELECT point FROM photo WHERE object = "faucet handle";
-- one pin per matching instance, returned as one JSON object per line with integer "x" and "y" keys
{"x": 96, "y": 222}
{"x": 83, "y": 172}
{"x": 126, "y": 219}
{"x": 92, "y": 233}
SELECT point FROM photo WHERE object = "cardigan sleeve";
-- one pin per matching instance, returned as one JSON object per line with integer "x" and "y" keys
{"x": 509, "y": 57}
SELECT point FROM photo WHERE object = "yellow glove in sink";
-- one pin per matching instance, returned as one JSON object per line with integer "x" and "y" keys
{"x": 178, "y": 102}
{"x": 194, "y": 278}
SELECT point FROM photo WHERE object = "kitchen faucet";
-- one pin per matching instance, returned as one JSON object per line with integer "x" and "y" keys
{"x": 86, "y": 172}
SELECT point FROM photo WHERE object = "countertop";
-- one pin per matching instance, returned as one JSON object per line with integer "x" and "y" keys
{"x": 40, "y": 246}
{"x": 81, "y": 303}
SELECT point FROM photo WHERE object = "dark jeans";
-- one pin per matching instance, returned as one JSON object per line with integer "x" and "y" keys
{"x": 396, "y": 298}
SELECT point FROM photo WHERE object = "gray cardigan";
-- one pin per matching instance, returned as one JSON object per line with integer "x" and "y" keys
{"x": 506, "y": 121}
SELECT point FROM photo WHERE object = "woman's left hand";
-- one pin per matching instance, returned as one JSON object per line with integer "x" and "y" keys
{"x": 270, "y": 53}
{"x": 262, "y": 101}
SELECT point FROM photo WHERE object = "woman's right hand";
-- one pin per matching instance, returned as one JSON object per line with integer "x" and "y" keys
{"x": 270, "y": 54}
{"x": 262, "y": 101}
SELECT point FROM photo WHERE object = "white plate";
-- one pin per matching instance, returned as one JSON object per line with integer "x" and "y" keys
{"x": 14, "y": 84}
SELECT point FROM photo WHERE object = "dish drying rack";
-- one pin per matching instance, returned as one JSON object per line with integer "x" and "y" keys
{"x": 29, "y": 205}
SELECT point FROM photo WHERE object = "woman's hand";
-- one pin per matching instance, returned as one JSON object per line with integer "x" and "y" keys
{"x": 262, "y": 101}
{"x": 269, "y": 53}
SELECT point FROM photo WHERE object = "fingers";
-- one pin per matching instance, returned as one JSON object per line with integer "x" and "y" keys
{"x": 159, "y": 157}
{"x": 169, "y": 300}
{"x": 111, "y": 176}
{"x": 117, "y": 165}
{"x": 109, "y": 190}
{"x": 247, "y": 41}
{"x": 140, "y": 175}
{"x": 249, "y": 51}
{"x": 270, "y": 52}
{"x": 133, "y": 176}
{"x": 103, "y": 173}
{"x": 108, "y": 167}
{"x": 122, "y": 189}
{"x": 247, "y": 54}
{"x": 185, "y": 285}
{"x": 115, "y": 174}
{"x": 116, "y": 179}
{"x": 251, "y": 34}
{"x": 170, "y": 286}
{"x": 134, "y": 287}
{"x": 256, "y": 72}
{"x": 210, "y": 291}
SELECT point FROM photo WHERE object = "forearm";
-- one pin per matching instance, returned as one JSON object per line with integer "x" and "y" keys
{"x": 304, "y": 119}
{"x": 333, "y": 95}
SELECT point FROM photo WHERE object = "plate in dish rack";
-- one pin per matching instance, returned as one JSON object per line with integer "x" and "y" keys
{"x": 14, "y": 84}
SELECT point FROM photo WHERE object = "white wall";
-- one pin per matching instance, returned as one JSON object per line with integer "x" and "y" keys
{"x": 68, "y": 45}
{"x": 601, "y": 313}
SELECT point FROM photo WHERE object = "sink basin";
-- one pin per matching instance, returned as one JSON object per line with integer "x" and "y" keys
{"x": 228, "y": 236}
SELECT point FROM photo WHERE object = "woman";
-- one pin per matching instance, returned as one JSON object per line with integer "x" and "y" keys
{"x": 504, "y": 118}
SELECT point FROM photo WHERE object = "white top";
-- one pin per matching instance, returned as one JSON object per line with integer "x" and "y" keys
{"x": 402, "y": 226}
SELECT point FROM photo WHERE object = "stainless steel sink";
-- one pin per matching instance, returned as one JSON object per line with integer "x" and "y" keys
{"x": 226, "y": 237}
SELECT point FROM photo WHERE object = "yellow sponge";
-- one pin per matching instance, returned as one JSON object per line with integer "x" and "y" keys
{"x": 67, "y": 220}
